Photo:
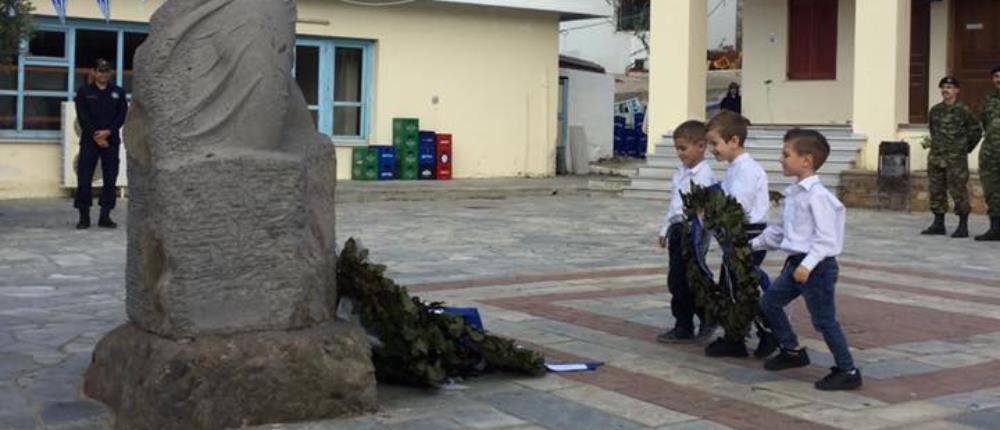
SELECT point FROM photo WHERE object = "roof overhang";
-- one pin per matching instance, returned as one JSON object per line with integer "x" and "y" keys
{"x": 568, "y": 10}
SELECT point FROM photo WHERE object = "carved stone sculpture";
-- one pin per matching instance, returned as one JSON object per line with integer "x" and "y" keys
{"x": 231, "y": 257}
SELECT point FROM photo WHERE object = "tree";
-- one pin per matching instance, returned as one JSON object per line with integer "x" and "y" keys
{"x": 15, "y": 26}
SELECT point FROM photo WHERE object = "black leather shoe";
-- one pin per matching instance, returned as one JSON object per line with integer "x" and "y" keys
{"x": 787, "y": 359}
{"x": 839, "y": 380}
{"x": 106, "y": 222}
{"x": 726, "y": 348}
{"x": 84, "y": 222}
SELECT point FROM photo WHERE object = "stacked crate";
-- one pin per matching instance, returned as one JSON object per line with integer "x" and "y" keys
{"x": 444, "y": 158}
{"x": 365, "y": 164}
{"x": 406, "y": 139}
{"x": 386, "y": 163}
{"x": 427, "y": 155}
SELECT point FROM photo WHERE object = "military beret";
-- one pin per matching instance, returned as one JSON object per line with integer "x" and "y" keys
{"x": 948, "y": 80}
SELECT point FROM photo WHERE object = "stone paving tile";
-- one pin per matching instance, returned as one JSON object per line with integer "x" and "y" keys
{"x": 952, "y": 360}
{"x": 556, "y": 413}
{"x": 930, "y": 347}
{"x": 973, "y": 400}
{"x": 986, "y": 420}
{"x": 912, "y": 412}
{"x": 622, "y": 406}
{"x": 896, "y": 368}
{"x": 485, "y": 418}
{"x": 696, "y": 425}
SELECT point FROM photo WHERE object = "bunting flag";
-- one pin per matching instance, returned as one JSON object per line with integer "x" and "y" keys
{"x": 105, "y": 6}
{"x": 60, "y": 6}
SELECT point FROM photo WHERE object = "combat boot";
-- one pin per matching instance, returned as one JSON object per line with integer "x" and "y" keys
{"x": 937, "y": 227}
{"x": 105, "y": 219}
{"x": 963, "y": 227}
{"x": 84, "y": 222}
{"x": 993, "y": 234}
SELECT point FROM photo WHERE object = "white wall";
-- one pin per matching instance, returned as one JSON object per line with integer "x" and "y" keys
{"x": 591, "y": 107}
{"x": 596, "y": 39}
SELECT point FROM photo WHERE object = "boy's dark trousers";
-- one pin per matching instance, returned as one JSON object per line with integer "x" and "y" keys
{"x": 682, "y": 301}
{"x": 86, "y": 163}
{"x": 818, "y": 293}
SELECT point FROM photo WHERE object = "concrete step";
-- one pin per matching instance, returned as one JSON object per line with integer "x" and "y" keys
{"x": 768, "y": 161}
{"x": 776, "y": 183}
{"x": 615, "y": 184}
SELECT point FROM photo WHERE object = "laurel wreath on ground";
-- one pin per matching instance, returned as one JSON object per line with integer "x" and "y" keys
{"x": 724, "y": 219}
{"x": 416, "y": 345}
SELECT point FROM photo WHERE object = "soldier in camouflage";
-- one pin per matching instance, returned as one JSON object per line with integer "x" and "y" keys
{"x": 989, "y": 158}
{"x": 954, "y": 134}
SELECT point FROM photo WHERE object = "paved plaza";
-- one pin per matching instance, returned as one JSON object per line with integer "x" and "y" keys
{"x": 579, "y": 278}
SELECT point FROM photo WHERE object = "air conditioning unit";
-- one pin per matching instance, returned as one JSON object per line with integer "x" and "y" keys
{"x": 71, "y": 149}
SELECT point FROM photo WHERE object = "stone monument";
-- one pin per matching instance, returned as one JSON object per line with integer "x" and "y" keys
{"x": 231, "y": 264}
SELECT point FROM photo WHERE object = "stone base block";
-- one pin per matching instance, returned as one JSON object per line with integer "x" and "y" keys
{"x": 216, "y": 382}
{"x": 858, "y": 188}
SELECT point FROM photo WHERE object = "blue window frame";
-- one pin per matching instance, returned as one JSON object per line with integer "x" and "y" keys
{"x": 334, "y": 74}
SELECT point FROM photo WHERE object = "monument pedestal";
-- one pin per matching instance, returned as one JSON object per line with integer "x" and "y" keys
{"x": 217, "y": 382}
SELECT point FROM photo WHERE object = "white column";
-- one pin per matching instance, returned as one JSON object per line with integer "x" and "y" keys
{"x": 678, "y": 65}
{"x": 881, "y": 72}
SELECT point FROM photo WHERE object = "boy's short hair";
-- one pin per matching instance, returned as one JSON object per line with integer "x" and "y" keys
{"x": 730, "y": 124}
{"x": 809, "y": 142}
{"x": 691, "y": 131}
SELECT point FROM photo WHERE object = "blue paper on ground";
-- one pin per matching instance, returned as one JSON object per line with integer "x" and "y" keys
{"x": 573, "y": 367}
{"x": 470, "y": 315}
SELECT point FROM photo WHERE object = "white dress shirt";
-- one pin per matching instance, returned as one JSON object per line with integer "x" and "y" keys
{"x": 746, "y": 181}
{"x": 700, "y": 174}
{"x": 812, "y": 223}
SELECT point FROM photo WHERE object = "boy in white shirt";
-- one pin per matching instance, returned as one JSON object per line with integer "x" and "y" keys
{"x": 811, "y": 231}
{"x": 745, "y": 181}
{"x": 689, "y": 141}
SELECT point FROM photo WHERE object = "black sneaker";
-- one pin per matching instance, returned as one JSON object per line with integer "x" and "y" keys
{"x": 787, "y": 359}
{"x": 726, "y": 348}
{"x": 768, "y": 344}
{"x": 839, "y": 380}
{"x": 705, "y": 332}
{"x": 676, "y": 335}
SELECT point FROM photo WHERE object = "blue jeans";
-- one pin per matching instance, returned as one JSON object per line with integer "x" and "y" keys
{"x": 818, "y": 293}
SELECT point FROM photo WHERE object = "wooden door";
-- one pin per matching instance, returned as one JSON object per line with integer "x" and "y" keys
{"x": 920, "y": 50}
{"x": 975, "y": 47}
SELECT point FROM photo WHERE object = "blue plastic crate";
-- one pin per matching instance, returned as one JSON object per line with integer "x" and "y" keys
{"x": 387, "y": 155}
{"x": 427, "y": 171}
{"x": 428, "y": 137}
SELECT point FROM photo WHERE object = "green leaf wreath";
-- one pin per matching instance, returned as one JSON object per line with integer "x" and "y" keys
{"x": 418, "y": 346}
{"x": 723, "y": 218}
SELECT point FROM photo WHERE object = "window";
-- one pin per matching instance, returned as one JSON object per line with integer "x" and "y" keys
{"x": 633, "y": 15}
{"x": 812, "y": 39}
{"x": 334, "y": 76}
{"x": 55, "y": 62}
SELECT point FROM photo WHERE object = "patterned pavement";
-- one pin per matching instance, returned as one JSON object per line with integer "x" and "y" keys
{"x": 580, "y": 279}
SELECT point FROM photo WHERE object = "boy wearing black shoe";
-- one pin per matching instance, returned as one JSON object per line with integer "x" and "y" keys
{"x": 689, "y": 141}
{"x": 745, "y": 181}
{"x": 811, "y": 231}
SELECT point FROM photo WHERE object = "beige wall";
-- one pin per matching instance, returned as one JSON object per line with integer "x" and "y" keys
{"x": 494, "y": 72}
{"x": 30, "y": 169}
{"x": 784, "y": 101}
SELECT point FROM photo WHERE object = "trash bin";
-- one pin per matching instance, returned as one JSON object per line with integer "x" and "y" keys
{"x": 893, "y": 172}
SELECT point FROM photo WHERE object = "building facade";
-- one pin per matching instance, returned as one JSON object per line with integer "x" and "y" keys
{"x": 485, "y": 71}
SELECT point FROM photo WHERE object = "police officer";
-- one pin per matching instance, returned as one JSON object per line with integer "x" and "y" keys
{"x": 989, "y": 158}
{"x": 954, "y": 134}
{"x": 100, "y": 110}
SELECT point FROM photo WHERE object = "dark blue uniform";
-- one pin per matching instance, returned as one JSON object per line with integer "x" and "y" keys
{"x": 98, "y": 109}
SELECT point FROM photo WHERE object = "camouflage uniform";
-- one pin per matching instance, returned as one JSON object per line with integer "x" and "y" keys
{"x": 954, "y": 134}
{"x": 989, "y": 154}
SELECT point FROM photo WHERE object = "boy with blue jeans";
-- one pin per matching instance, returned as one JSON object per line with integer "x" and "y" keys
{"x": 811, "y": 231}
{"x": 690, "y": 144}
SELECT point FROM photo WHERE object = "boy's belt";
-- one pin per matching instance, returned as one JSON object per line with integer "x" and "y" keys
{"x": 754, "y": 229}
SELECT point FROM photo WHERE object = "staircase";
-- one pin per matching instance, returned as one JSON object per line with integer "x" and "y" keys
{"x": 764, "y": 143}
